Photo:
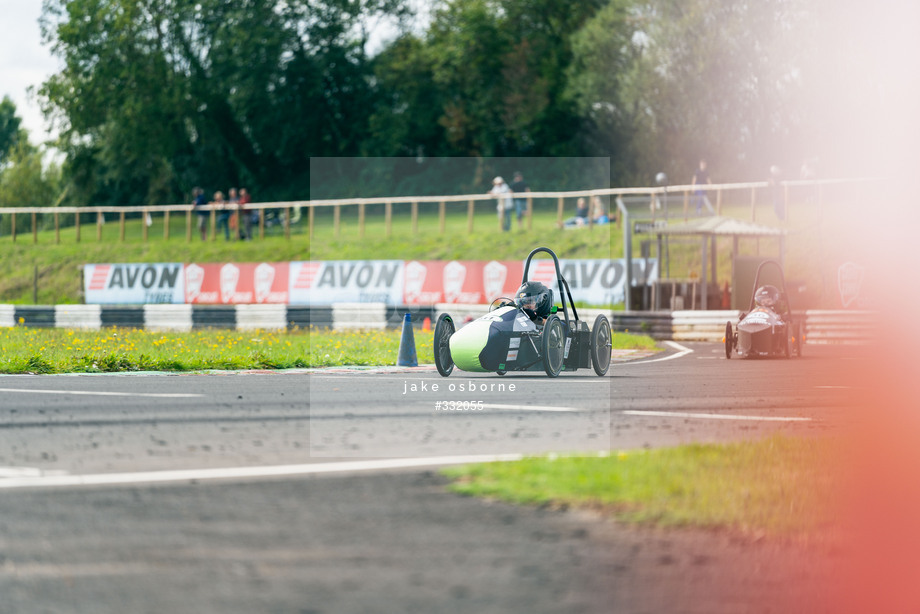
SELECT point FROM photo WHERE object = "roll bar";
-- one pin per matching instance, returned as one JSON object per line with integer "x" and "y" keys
{"x": 782, "y": 279}
{"x": 562, "y": 283}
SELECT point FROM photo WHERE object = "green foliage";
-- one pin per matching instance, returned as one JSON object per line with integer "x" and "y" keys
{"x": 160, "y": 98}
{"x": 27, "y": 181}
{"x": 716, "y": 80}
{"x": 11, "y": 134}
{"x": 155, "y": 98}
{"x": 56, "y": 350}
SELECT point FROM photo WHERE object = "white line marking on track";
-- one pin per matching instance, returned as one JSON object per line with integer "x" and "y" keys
{"x": 529, "y": 407}
{"x": 707, "y": 416}
{"x": 185, "y": 475}
{"x": 155, "y": 395}
{"x": 681, "y": 351}
{"x": 513, "y": 377}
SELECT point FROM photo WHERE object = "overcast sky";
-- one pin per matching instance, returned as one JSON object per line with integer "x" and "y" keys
{"x": 23, "y": 61}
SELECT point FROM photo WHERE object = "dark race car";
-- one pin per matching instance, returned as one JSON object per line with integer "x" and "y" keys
{"x": 525, "y": 333}
{"x": 768, "y": 328}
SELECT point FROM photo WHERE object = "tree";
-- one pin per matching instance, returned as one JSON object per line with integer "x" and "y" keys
{"x": 27, "y": 181}
{"x": 605, "y": 62}
{"x": 487, "y": 79}
{"x": 681, "y": 79}
{"x": 157, "y": 96}
{"x": 11, "y": 132}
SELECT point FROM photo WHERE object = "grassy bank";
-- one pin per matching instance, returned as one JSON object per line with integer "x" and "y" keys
{"x": 49, "y": 272}
{"x": 780, "y": 486}
{"x": 43, "y": 350}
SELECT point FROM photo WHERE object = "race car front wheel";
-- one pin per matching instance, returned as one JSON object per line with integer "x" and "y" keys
{"x": 443, "y": 330}
{"x": 601, "y": 345}
{"x": 553, "y": 345}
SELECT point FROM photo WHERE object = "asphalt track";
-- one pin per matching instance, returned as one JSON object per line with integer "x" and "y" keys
{"x": 264, "y": 492}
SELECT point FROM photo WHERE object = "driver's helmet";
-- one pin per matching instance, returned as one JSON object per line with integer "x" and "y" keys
{"x": 766, "y": 296}
{"x": 534, "y": 298}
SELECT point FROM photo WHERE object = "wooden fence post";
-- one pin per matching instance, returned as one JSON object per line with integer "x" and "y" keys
{"x": 76, "y": 219}
{"x": 442, "y": 216}
{"x": 361, "y": 220}
{"x": 261, "y": 223}
{"x": 99, "y": 223}
{"x": 529, "y": 213}
{"x": 311, "y": 215}
{"x": 213, "y": 225}
{"x": 57, "y": 228}
{"x": 144, "y": 215}
{"x": 287, "y": 223}
{"x": 470, "y": 211}
{"x": 188, "y": 226}
{"x": 166, "y": 225}
{"x": 719, "y": 201}
{"x": 560, "y": 210}
{"x": 414, "y": 217}
{"x": 121, "y": 226}
{"x": 336, "y": 220}
{"x": 34, "y": 228}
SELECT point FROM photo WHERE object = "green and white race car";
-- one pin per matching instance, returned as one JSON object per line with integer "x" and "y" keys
{"x": 525, "y": 333}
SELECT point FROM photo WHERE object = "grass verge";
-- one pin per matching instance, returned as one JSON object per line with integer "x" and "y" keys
{"x": 53, "y": 350}
{"x": 779, "y": 486}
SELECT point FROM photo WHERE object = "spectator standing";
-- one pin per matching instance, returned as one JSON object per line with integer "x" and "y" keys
{"x": 519, "y": 187}
{"x": 248, "y": 218}
{"x": 501, "y": 190}
{"x": 223, "y": 213}
{"x": 199, "y": 204}
{"x": 700, "y": 178}
{"x": 233, "y": 201}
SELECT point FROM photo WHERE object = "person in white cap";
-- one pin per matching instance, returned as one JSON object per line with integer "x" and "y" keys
{"x": 502, "y": 192}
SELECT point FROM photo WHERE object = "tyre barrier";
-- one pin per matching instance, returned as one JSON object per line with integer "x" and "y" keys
{"x": 821, "y": 326}
{"x": 655, "y": 324}
{"x": 854, "y": 327}
{"x": 701, "y": 325}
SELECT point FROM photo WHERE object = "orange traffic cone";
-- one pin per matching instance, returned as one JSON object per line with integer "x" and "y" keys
{"x": 426, "y": 325}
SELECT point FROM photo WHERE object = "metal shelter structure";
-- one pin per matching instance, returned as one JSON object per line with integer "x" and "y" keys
{"x": 708, "y": 229}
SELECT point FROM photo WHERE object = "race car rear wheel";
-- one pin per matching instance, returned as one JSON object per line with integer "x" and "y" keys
{"x": 601, "y": 345}
{"x": 443, "y": 330}
{"x": 553, "y": 345}
{"x": 729, "y": 340}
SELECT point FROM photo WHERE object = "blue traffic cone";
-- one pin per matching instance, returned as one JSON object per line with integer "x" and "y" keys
{"x": 407, "y": 356}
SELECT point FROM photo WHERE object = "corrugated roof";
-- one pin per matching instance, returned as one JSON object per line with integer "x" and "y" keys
{"x": 720, "y": 226}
